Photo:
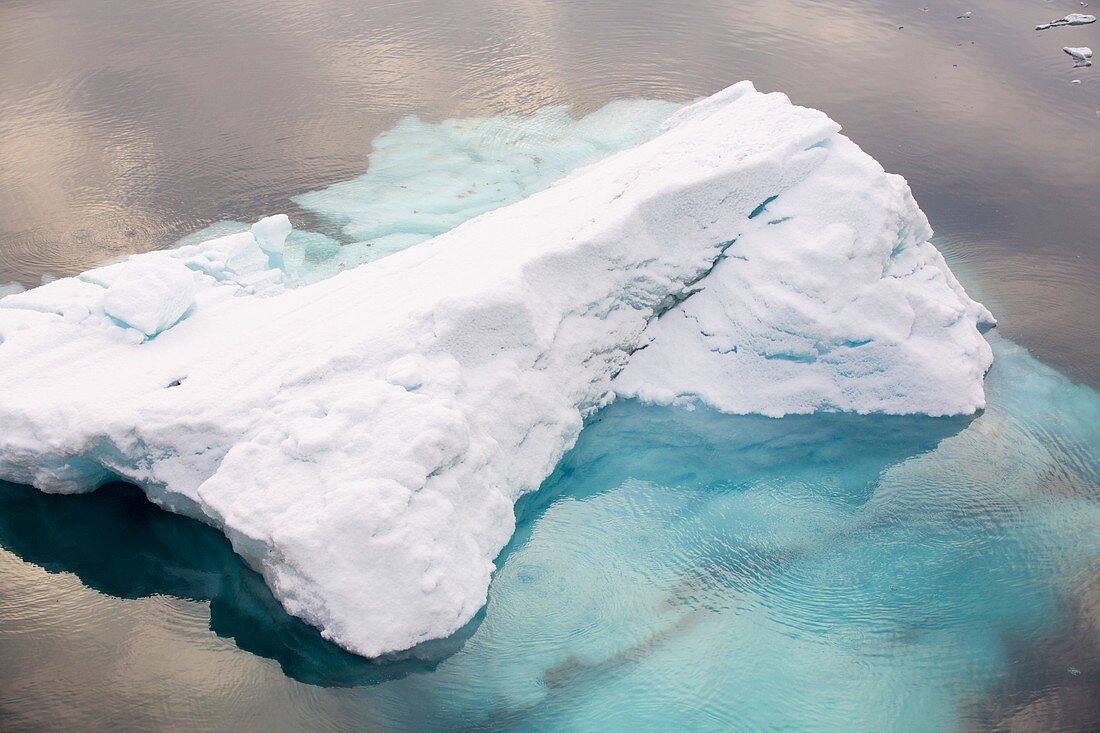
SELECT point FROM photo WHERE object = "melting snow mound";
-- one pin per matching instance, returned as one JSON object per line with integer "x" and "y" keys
{"x": 362, "y": 440}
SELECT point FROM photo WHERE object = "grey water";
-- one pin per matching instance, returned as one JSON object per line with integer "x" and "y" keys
{"x": 729, "y": 574}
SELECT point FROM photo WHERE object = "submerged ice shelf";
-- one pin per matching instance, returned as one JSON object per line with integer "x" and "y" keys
{"x": 361, "y": 440}
{"x": 425, "y": 178}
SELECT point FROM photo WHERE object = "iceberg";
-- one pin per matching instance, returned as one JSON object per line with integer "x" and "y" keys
{"x": 831, "y": 299}
{"x": 362, "y": 440}
{"x": 1071, "y": 19}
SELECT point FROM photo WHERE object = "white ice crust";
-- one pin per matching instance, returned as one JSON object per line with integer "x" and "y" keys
{"x": 831, "y": 298}
{"x": 362, "y": 440}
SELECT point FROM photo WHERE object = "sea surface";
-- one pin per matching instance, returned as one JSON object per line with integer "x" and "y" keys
{"x": 680, "y": 570}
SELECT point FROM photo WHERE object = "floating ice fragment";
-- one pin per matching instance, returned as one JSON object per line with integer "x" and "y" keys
{"x": 864, "y": 348}
{"x": 1071, "y": 19}
{"x": 1081, "y": 55}
{"x": 11, "y": 289}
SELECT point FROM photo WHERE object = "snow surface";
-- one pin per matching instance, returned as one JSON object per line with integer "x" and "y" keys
{"x": 361, "y": 440}
{"x": 831, "y": 298}
{"x": 426, "y": 178}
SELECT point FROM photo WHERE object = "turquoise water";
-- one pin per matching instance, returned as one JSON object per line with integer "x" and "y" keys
{"x": 685, "y": 570}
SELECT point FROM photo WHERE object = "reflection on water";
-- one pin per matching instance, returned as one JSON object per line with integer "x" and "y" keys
{"x": 680, "y": 570}
{"x": 124, "y": 127}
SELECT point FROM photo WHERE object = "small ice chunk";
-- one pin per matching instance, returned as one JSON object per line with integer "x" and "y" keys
{"x": 150, "y": 294}
{"x": 1071, "y": 19}
{"x": 1081, "y": 55}
{"x": 362, "y": 440}
{"x": 10, "y": 289}
{"x": 271, "y": 232}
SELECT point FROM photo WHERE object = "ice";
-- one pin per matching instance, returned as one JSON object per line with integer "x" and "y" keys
{"x": 1081, "y": 55}
{"x": 709, "y": 565}
{"x": 425, "y": 178}
{"x": 150, "y": 295}
{"x": 137, "y": 299}
{"x": 271, "y": 232}
{"x": 10, "y": 289}
{"x": 362, "y": 440}
{"x": 771, "y": 332}
{"x": 1071, "y": 19}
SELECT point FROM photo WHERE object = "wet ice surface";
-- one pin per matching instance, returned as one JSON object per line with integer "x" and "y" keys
{"x": 424, "y": 178}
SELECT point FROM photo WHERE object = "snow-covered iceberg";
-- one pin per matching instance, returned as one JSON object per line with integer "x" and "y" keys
{"x": 362, "y": 440}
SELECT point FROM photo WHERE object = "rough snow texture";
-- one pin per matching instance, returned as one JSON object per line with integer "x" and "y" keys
{"x": 1081, "y": 55}
{"x": 362, "y": 440}
{"x": 831, "y": 298}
